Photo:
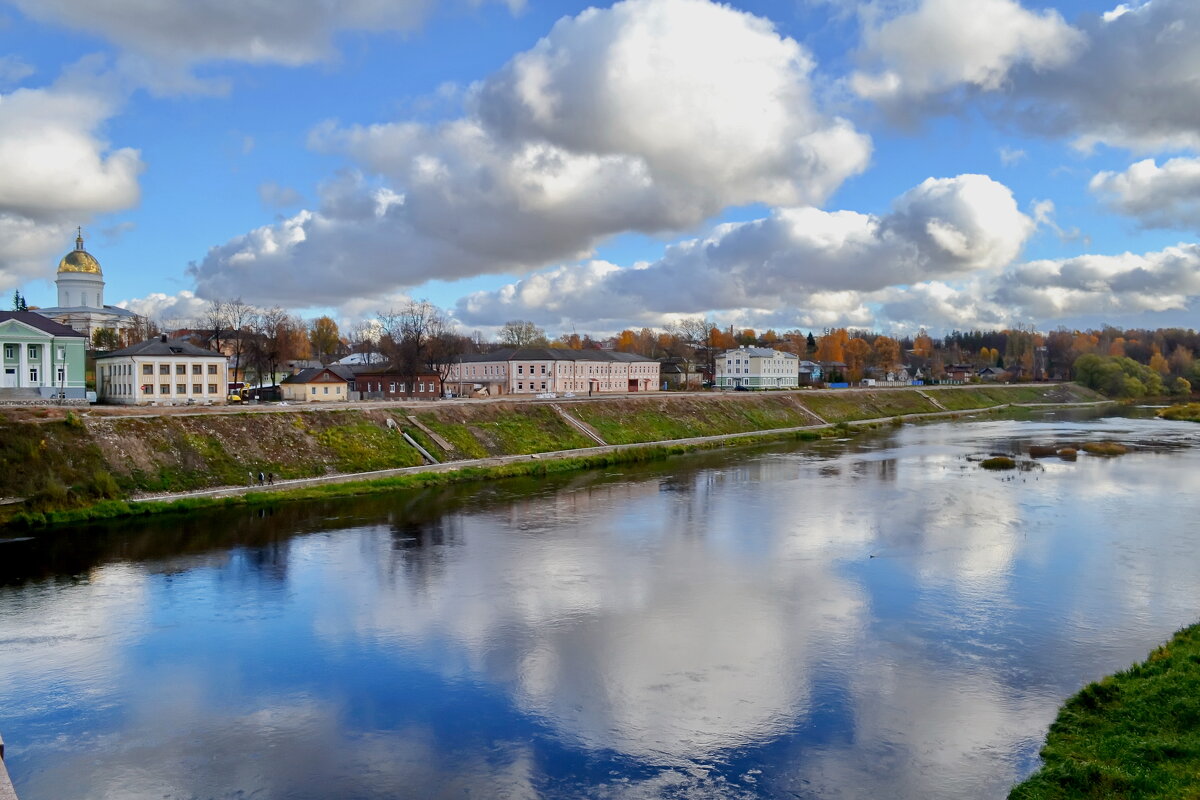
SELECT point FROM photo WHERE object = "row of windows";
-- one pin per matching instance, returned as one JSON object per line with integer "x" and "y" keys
{"x": 165, "y": 388}
{"x": 33, "y": 352}
{"x": 112, "y": 370}
{"x": 35, "y": 375}
{"x": 392, "y": 387}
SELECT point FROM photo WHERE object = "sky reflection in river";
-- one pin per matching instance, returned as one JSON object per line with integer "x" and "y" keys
{"x": 876, "y": 617}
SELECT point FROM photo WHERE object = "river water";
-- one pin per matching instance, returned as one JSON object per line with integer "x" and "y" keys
{"x": 870, "y": 618}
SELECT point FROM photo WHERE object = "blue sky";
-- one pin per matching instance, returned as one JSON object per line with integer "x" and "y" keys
{"x": 894, "y": 164}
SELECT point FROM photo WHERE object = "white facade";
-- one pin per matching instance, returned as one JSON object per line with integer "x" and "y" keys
{"x": 169, "y": 378}
{"x": 758, "y": 368}
{"x": 536, "y": 370}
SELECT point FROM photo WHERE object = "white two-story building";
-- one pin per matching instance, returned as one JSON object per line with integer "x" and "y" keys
{"x": 161, "y": 370}
{"x": 758, "y": 368}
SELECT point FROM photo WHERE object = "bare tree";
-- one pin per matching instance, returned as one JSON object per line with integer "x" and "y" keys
{"x": 445, "y": 346}
{"x": 269, "y": 343}
{"x": 239, "y": 316}
{"x": 522, "y": 333}
{"x": 216, "y": 320}
{"x": 364, "y": 339}
{"x": 420, "y": 338}
{"x": 689, "y": 340}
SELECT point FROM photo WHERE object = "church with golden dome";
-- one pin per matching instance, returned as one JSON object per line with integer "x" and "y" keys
{"x": 80, "y": 283}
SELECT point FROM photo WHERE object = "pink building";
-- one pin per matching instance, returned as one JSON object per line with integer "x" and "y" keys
{"x": 534, "y": 370}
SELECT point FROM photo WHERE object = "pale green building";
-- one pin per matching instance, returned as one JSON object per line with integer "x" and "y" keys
{"x": 40, "y": 358}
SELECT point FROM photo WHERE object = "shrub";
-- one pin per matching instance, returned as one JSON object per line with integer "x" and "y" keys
{"x": 998, "y": 462}
{"x": 1105, "y": 449}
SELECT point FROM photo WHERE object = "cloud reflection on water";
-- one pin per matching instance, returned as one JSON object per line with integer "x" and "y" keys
{"x": 872, "y": 618}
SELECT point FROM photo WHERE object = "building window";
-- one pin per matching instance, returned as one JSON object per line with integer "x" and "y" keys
{"x": 402, "y": 388}
{"x": 196, "y": 369}
{"x": 314, "y": 390}
{"x": 62, "y": 376}
{"x": 33, "y": 374}
{"x": 212, "y": 388}
{"x": 10, "y": 351}
{"x": 164, "y": 388}
{"x": 520, "y": 386}
{"x": 147, "y": 369}
{"x": 212, "y": 369}
{"x": 543, "y": 372}
{"x": 181, "y": 369}
{"x": 34, "y": 351}
{"x": 148, "y": 388}
{"x": 164, "y": 369}
{"x": 196, "y": 389}
{"x": 326, "y": 388}
{"x": 62, "y": 354}
{"x": 181, "y": 388}
{"x": 520, "y": 369}
{"x": 392, "y": 387}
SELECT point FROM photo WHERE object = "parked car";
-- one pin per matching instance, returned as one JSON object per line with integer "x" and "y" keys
{"x": 741, "y": 388}
{"x": 547, "y": 396}
{"x": 568, "y": 394}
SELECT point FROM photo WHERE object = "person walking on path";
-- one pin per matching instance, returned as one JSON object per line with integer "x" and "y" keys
{"x": 270, "y": 478}
{"x": 261, "y": 478}
{"x": 250, "y": 475}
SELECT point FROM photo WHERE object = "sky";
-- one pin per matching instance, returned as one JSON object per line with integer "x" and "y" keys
{"x": 804, "y": 164}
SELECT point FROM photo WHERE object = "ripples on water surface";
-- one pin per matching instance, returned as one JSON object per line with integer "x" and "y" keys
{"x": 861, "y": 619}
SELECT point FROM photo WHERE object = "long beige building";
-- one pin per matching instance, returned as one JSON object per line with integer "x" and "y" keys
{"x": 162, "y": 370}
{"x": 535, "y": 370}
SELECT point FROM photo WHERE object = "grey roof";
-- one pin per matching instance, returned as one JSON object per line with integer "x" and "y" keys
{"x": 760, "y": 352}
{"x": 35, "y": 320}
{"x": 551, "y": 354}
{"x": 115, "y": 311}
{"x": 309, "y": 375}
{"x": 161, "y": 346}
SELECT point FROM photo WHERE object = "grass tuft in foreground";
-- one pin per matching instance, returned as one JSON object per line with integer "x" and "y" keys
{"x": 1134, "y": 735}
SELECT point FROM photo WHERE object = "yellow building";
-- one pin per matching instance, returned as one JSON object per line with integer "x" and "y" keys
{"x": 316, "y": 385}
{"x": 161, "y": 371}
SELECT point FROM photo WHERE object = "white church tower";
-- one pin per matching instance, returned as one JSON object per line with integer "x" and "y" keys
{"x": 80, "y": 281}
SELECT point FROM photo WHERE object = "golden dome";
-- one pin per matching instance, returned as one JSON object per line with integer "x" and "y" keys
{"x": 79, "y": 260}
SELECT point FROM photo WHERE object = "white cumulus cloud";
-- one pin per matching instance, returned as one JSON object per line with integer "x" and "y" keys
{"x": 943, "y": 44}
{"x": 943, "y": 228}
{"x": 57, "y": 172}
{"x": 1166, "y": 196}
{"x": 649, "y": 116}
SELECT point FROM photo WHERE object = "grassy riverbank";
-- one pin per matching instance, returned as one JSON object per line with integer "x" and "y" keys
{"x": 1135, "y": 734}
{"x": 109, "y": 509}
{"x": 55, "y": 463}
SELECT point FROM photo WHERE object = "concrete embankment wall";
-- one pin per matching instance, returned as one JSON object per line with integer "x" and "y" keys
{"x": 74, "y": 458}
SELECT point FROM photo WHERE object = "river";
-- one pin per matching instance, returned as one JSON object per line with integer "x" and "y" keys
{"x": 874, "y": 617}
